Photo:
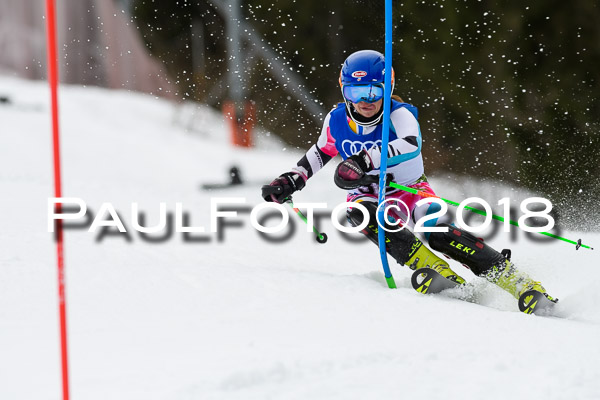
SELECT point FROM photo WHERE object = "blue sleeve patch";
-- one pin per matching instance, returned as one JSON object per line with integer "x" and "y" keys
{"x": 407, "y": 156}
{"x": 433, "y": 208}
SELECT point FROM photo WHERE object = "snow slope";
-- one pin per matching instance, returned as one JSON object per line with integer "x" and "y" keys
{"x": 244, "y": 318}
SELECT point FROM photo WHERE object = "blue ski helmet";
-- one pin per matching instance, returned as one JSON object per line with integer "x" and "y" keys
{"x": 362, "y": 79}
{"x": 363, "y": 67}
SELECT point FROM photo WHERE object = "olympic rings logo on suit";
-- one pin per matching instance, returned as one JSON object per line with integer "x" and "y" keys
{"x": 351, "y": 147}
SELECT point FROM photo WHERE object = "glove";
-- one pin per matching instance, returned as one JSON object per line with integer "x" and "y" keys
{"x": 283, "y": 187}
{"x": 352, "y": 172}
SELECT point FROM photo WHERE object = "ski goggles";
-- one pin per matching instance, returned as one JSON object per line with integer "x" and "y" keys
{"x": 369, "y": 93}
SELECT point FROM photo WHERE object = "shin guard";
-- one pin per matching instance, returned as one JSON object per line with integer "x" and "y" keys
{"x": 467, "y": 249}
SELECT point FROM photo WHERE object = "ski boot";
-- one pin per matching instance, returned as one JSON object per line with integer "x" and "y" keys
{"x": 432, "y": 274}
{"x": 435, "y": 274}
{"x": 531, "y": 294}
{"x": 495, "y": 267}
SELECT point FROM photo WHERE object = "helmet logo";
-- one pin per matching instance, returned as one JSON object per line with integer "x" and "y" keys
{"x": 359, "y": 74}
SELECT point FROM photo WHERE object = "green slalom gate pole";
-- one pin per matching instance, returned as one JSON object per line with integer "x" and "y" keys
{"x": 321, "y": 236}
{"x": 421, "y": 193}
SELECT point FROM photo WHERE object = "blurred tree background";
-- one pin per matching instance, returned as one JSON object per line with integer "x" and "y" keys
{"x": 508, "y": 90}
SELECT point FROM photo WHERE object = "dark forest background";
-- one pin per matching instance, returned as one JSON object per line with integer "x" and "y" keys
{"x": 508, "y": 90}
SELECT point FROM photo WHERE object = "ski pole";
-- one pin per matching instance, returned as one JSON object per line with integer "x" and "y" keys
{"x": 421, "y": 193}
{"x": 321, "y": 236}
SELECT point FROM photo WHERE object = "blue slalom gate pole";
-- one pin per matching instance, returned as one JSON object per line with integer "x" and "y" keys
{"x": 387, "y": 100}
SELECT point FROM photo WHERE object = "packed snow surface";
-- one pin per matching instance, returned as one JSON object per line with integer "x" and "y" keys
{"x": 236, "y": 316}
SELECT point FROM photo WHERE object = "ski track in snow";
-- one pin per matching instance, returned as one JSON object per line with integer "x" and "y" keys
{"x": 244, "y": 318}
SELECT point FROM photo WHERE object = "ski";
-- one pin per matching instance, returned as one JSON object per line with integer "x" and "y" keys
{"x": 428, "y": 281}
{"x": 534, "y": 302}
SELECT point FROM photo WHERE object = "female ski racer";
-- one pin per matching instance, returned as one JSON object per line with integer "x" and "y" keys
{"x": 353, "y": 129}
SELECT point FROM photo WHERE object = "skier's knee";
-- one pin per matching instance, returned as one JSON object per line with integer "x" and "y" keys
{"x": 398, "y": 244}
{"x": 428, "y": 209}
{"x": 466, "y": 249}
{"x": 356, "y": 216}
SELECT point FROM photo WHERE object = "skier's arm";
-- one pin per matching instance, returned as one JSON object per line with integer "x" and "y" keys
{"x": 319, "y": 154}
{"x": 315, "y": 158}
{"x": 408, "y": 144}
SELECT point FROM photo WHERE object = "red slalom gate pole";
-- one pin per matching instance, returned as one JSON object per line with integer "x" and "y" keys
{"x": 53, "y": 81}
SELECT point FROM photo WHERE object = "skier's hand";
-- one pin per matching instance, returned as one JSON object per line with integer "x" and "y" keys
{"x": 283, "y": 187}
{"x": 352, "y": 172}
